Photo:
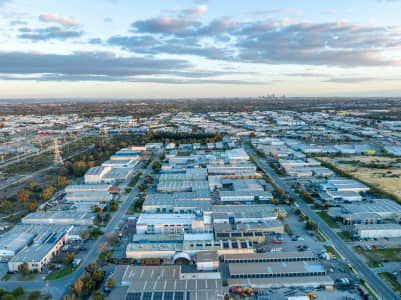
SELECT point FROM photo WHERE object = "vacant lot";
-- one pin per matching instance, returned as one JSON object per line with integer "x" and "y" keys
{"x": 382, "y": 172}
{"x": 376, "y": 256}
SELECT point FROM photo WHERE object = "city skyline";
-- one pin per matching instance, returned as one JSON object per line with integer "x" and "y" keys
{"x": 121, "y": 49}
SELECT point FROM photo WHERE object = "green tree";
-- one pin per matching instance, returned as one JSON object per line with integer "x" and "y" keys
{"x": 98, "y": 275}
{"x": 89, "y": 285}
{"x": 48, "y": 193}
{"x": 84, "y": 235}
{"x": 79, "y": 168}
{"x": 111, "y": 282}
{"x": 8, "y": 297}
{"x": 69, "y": 258}
{"x": 62, "y": 181}
{"x": 34, "y": 295}
{"x": 23, "y": 196}
{"x": 32, "y": 206}
{"x": 18, "y": 292}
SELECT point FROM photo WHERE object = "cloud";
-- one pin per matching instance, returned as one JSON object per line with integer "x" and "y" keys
{"x": 49, "y": 33}
{"x": 58, "y": 19}
{"x": 197, "y": 11}
{"x": 86, "y": 63}
{"x": 341, "y": 44}
{"x": 17, "y": 22}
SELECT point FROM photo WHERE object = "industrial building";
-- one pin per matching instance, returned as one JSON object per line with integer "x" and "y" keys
{"x": 172, "y": 224}
{"x": 91, "y": 196}
{"x": 269, "y": 257}
{"x": 246, "y": 213}
{"x": 378, "y": 230}
{"x": 171, "y": 282}
{"x": 256, "y": 232}
{"x": 59, "y": 218}
{"x": 87, "y": 188}
{"x": 37, "y": 253}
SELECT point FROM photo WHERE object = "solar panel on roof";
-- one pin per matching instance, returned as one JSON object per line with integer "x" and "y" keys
{"x": 147, "y": 296}
{"x": 244, "y": 245}
{"x": 225, "y": 245}
{"x": 179, "y": 296}
{"x": 158, "y": 296}
{"x": 234, "y": 245}
{"x": 133, "y": 296}
{"x": 168, "y": 296}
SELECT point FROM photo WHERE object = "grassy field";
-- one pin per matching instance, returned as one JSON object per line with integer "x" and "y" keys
{"x": 325, "y": 217}
{"x": 366, "y": 255}
{"x": 346, "y": 236}
{"x": 387, "y": 255}
{"x": 60, "y": 273}
{"x": 376, "y": 256}
{"x": 391, "y": 281}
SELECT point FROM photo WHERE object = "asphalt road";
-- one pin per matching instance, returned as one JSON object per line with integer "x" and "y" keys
{"x": 365, "y": 272}
{"x": 59, "y": 288}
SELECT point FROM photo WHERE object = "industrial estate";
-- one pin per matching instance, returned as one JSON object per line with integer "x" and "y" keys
{"x": 220, "y": 205}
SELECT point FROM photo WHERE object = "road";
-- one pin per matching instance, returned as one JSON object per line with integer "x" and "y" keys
{"x": 59, "y": 288}
{"x": 366, "y": 273}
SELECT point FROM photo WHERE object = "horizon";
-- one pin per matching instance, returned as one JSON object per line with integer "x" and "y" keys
{"x": 202, "y": 49}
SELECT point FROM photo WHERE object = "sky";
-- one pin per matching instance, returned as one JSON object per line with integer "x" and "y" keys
{"x": 199, "y": 48}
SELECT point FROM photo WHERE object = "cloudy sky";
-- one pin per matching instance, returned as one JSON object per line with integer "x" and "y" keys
{"x": 195, "y": 48}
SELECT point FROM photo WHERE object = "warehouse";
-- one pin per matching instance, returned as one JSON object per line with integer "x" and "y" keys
{"x": 342, "y": 196}
{"x": 344, "y": 185}
{"x": 88, "y": 188}
{"x": 276, "y": 269}
{"x": 93, "y": 196}
{"x": 254, "y": 231}
{"x": 13, "y": 242}
{"x": 59, "y": 218}
{"x": 378, "y": 230}
{"x": 232, "y": 169}
{"x": 117, "y": 176}
{"x": 94, "y": 175}
{"x": 249, "y": 213}
{"x": 244, "y": 196}
{"x": 126, "y": 154}
{"x": 121, "y": 163}
{"x": 385, "y": 208}
{"x": 171, "y": 282}
{"x": 269, "y": 257}
{"x": 46, "y": 244}
{"x": 182, "y": 186}
{"x": 172, "y": 224}
{"x": 166, "y": 203}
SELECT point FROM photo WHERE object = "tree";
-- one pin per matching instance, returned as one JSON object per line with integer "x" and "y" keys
{"x": 18, "y": 292}
{"x": 66, "y": 297}
{"x": 23, "y": 268}
{"x": 287, "y": 228}
{"x": 156, "y": 166}
{"x": 89, "y": 285}
{"x": 48, "y": 193}
{"x": 76, "y": 287}
{"x": 34, "y": 187}
{"x": 97, "y": 295}
{"x": 79, "y": 168}
{"x": 111, "y": 282}
{"x": 62, "y": 181}
{"x": 8, "y": 297}
{"x": 84, "y": 235}
{"x": 70, "y": 258}
{"x": 90, "y": 268}
{"x": 23, "y": 195}
{"x": 32, "y": 206}
{"x": 98, "y": 275}
{"x": 275, "y": 201}
{"x": 5, "y": 205}
{"x": 34, "y": 295}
